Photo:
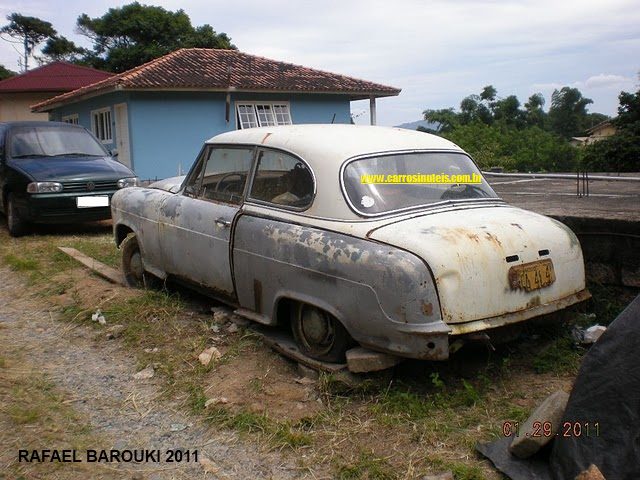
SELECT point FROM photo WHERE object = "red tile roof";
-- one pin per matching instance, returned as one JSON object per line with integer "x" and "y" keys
{"x": 53, "y": 77}
{"x": 216, "y": 69}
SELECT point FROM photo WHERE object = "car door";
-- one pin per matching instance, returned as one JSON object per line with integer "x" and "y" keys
{"x": 195, "y": 225}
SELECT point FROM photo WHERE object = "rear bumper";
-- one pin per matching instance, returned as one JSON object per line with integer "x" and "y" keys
{"x": 515, "y": 317}
{"x": 61, "y": 208}
{"x": 431, "y": 341}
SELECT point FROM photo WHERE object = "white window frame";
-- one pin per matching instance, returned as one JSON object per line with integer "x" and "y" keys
{"x": 262, "y": 114}
{"x": 73, "y": 119}
{"x": 101, "y": 124}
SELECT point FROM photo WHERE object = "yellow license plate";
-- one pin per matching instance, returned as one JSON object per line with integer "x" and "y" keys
{"x": 532, "y": 276}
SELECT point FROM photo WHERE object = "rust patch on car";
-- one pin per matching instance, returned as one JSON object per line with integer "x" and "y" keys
{"x": 427, "y": 308}
{"x": 534, "y": 302}
{"x": 492, "y": 239}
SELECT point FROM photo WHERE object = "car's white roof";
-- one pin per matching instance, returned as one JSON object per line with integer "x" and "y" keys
{"x": 326, "y": 147}
{"x": 332, "y": 144}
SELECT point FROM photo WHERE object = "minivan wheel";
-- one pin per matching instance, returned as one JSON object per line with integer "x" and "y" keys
{"x": 15, "y": 224}
{"x": 132, "y": 266}
{"x": 319, "y": 334}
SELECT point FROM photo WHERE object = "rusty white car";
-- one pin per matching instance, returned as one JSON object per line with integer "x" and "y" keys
{"x": 286, "y": 225}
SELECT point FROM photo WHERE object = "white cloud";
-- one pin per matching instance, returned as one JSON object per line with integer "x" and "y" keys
{"x": 437, "y": 52}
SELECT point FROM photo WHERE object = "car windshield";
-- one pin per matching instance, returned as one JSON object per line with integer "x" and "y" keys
{"x": 53, "y": 141}
{"x": 388, "y": 183}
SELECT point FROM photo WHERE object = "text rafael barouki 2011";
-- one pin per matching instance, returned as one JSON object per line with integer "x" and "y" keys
{"x": 108, "y": 456}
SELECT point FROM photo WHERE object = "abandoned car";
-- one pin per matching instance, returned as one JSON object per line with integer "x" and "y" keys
{"x": 331, "y": 230}
{"x": 54, "y": 172}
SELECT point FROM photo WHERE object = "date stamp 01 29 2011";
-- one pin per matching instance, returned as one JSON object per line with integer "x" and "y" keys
{"x": 546, "y": 429}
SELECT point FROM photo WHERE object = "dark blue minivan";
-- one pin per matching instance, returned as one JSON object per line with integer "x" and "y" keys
{"x": 53, "y": 172}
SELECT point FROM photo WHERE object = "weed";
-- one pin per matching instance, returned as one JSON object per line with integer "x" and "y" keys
{"x": 559, "y": 356}
{"x": 21, "y": 264}
{"x": 436, "y": 381}
{"x": 366, "y": 466}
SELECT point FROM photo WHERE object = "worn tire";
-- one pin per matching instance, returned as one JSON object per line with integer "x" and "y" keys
{"x": 15, "y": 224}
{"x": 318, "y": 334}
{"x": 132, "y": 266}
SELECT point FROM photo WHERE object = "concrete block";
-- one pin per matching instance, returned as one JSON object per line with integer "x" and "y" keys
{"x": 362, "y": 360}
{"x": 532, "y": 438}
{"x": 592, "y": 473}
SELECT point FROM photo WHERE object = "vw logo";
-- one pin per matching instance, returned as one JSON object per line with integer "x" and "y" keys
{"x": 91, "y": 186}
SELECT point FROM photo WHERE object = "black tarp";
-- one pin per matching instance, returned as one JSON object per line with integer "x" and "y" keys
{"x": 606, "y": 395}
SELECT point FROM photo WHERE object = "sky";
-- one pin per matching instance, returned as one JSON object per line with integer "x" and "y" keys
{"x": 436, "y": 51}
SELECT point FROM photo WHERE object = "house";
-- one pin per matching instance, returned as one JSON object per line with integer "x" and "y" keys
{"x": 596, "y": 133}
{"x": 18, "y": 93}
{"x": 157, "y": 116}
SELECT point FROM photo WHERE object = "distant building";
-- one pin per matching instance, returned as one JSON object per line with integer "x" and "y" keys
{"x": 158, "y": 115}
{"x": 596, "y": 133}
{"x": 18, "y": 93}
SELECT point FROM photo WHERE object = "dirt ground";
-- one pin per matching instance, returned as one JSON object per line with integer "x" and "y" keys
{"x": 95, "y": 379}
{"x": 64, "y": 383}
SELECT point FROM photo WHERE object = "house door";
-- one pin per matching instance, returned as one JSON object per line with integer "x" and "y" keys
{"x": 122, "y": 134}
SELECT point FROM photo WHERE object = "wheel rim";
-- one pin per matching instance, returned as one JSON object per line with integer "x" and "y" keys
{"x": 136, "y": 269}
{"x": 317, "y": 330}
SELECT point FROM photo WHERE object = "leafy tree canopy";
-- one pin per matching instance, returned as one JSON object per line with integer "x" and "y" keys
{"x": 59, "y": 48}
{"x": 29, "y": 31}
{"x": 128, "y": 36}
{"x": 568, "y": 112}
{"x": 5, "y": 72}
{"x": 620, "y": 152}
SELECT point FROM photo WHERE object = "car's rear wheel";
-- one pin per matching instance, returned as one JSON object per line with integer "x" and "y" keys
{"x": 16, "y": 225}
{"x": 132, "y": 265}
{"x": 318, "y": 334}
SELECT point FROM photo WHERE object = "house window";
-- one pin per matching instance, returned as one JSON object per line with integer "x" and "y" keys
{"x": 72, "y": 119}
{"x": 101, "y": 125}
{"x": 252, "y": 114}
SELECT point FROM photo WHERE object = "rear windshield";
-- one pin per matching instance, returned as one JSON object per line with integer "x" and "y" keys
{"x": 53, "y": 141}
{"x": 389, "y": 183}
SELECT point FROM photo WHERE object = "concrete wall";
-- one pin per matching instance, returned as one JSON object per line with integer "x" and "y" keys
{"x": 17, "y": 106}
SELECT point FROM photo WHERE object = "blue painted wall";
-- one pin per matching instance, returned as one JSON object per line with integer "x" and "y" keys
{"x": 167, "y": 129}
{"x": 84, "y": 109}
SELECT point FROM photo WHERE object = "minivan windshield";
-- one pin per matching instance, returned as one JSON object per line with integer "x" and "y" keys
{"x": 388, "y": 183}
{"x": 53, "y": 141}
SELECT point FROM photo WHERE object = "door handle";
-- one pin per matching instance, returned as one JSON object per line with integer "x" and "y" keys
{"x": 222, "y": 223}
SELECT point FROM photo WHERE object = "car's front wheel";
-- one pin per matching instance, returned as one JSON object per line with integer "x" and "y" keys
{"x": 16, "y": 225}
{"x": 318, "y": 334}
{"x": 132, "y": 266}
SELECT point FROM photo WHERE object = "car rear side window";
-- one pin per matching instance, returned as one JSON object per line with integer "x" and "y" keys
{"x": 283, "y": 180}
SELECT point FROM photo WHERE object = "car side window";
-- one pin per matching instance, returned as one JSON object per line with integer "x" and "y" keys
{"x": 282, "y": 179}
{"x": 221, "y": 175}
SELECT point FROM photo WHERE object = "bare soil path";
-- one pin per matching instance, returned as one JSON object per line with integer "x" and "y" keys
{"x": 95, "y": 379}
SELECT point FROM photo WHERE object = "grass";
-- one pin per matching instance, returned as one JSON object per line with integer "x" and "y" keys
{"x": 424, "y": 419}
{"x": 34, "y": 414}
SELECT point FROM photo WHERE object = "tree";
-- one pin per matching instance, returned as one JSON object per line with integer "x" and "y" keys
{"x": 5, "y": 73}
{"x": 568, "y": 112}
{"x": 128, "y": 36}
{"x": 507, "y": 111}
{"x": 534, "y": 113}
{"x": 59, "y": 48}
{"x": 30, "y": 31}
{"x": 620, "y": 152}
{"x": 446, "y": 119}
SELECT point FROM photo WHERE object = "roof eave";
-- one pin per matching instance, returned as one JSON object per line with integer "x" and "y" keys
{"x": 47, "y": 105}
{"x": 359, "y": 95}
